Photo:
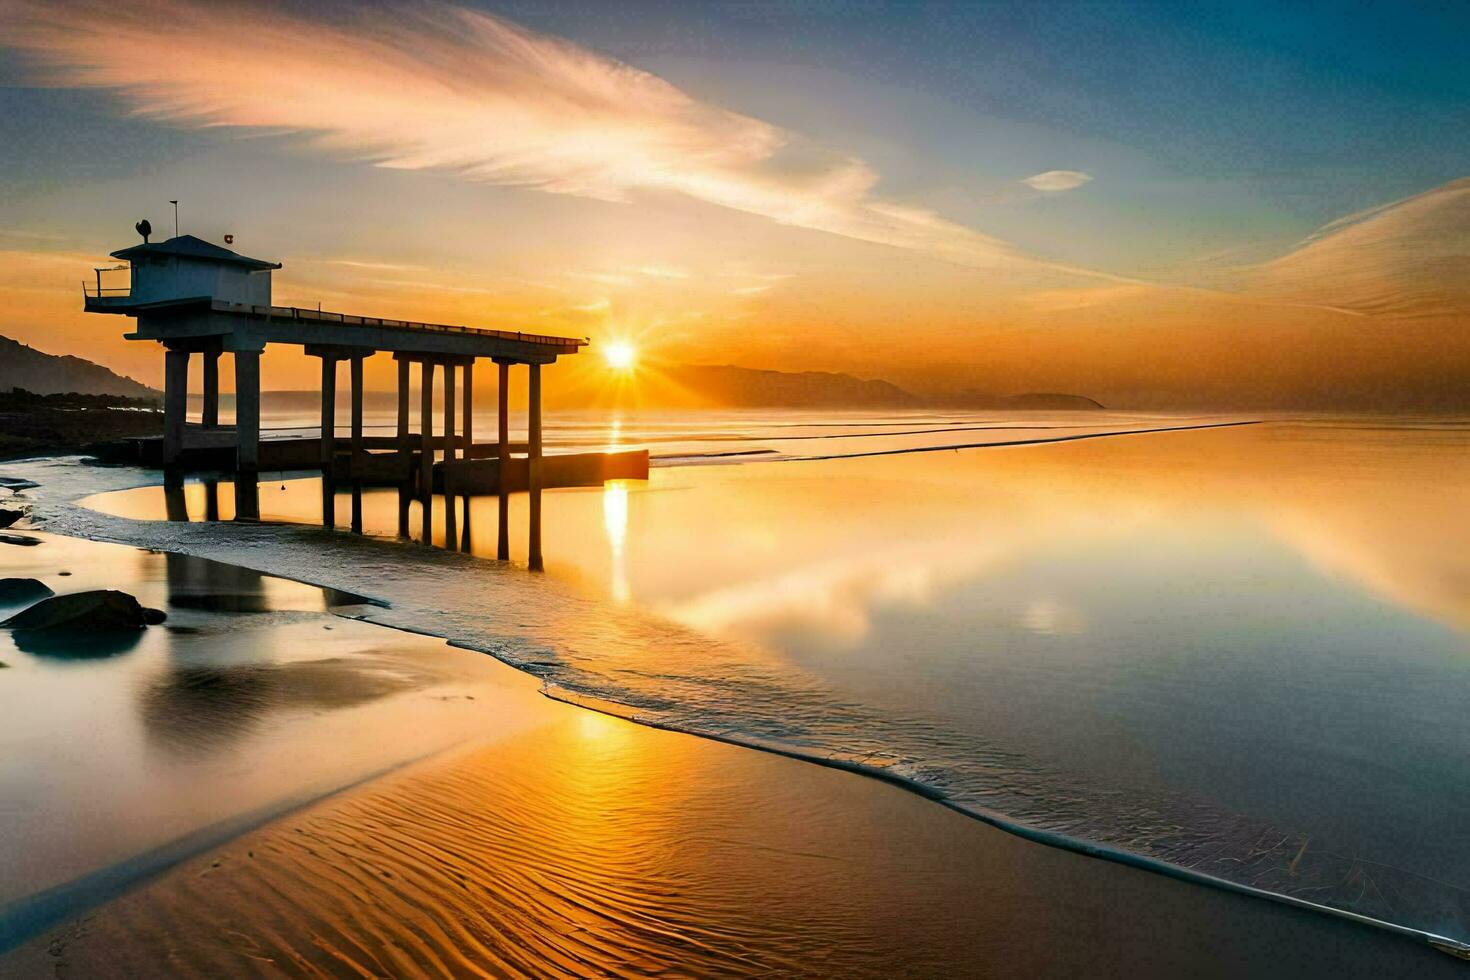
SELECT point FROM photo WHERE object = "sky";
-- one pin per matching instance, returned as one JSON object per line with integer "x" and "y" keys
{"x": 1156, "y": 205}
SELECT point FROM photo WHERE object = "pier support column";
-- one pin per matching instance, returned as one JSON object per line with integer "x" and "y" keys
{"x": 175, "y": 504}
{"x": 354, "y": 469}
{"x": 211, "y": 500}
{"x": 451, "y": 441}
{"x": 502, "y": 544}
{"x": 405, "y": 456}
{"x": 533, "y": 438}
{"x": 329, "y": 440}
{"x": 426, "y": 441}
{"x": 175, "y": 403}
{"x": 247, "y": 434}
{"x": 210, "y": 415}
{"x": 469, "y": 439}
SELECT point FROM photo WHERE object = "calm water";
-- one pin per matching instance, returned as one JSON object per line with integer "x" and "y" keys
{"x": 119, "y": 757}
{"x": 1240, "y": 651}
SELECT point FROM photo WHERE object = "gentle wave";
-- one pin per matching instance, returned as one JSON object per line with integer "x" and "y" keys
{"x": 893, "y": 771}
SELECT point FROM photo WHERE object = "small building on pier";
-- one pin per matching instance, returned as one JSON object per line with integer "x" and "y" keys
{"x": 200, "y": 299}
{"x": 186, "y": 267}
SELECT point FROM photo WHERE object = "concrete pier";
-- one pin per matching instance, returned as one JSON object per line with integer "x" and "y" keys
{"x": 404, "y": 449}
{"x": 451, "y": 520}
{"x": 533, "y": 439}
{"x": 192, "y": 296}
{"x": 329, "y": 439}
{"x": 210, "y": 414}
{"x": 502, "y": 547}
{"x": 175, "y": 402}
{"x": 247, "y": 411}
{"x": 426, "y": 447}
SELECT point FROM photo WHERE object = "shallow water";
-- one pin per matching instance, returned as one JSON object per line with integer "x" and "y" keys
{"x": 119, "y": 756}
{"x": 1238, "y": 651}
{"x": 683, "y": 438}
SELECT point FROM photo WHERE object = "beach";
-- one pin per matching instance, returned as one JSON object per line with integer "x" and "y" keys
{"x": 392, "y": 805}
{"x": 554, "y": 840}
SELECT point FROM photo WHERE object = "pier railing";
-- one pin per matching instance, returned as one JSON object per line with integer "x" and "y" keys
{"x": 327, "y": 316}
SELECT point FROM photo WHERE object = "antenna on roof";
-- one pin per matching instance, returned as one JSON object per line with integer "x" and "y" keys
{"x": 144, "y": 228}
{"x": 176, "y": 217}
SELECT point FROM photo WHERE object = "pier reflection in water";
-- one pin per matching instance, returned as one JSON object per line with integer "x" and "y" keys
{"x": 218, "y": 682}
{"x": 340, "y": 504}
{"x": 109, "y": 751}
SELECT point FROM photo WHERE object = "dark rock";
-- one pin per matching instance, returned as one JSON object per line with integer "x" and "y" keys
{"x": 9, "y": 515}
{"x": 102, "y": 610}
{"x": 24, "y": 540}
{"x": 14, "y": 591}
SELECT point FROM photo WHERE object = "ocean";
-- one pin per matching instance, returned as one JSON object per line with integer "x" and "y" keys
{"x": 1231, "y": 648}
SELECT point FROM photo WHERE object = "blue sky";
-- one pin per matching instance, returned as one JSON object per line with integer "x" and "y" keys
{"x": 1319, "y": 106}
{"x": 1215, "y": 126}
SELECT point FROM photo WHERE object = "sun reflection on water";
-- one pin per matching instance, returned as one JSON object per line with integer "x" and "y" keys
{"x": 615, "y": 523}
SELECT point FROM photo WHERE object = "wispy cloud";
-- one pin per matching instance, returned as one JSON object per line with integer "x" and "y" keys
{"x": 375, "y": 266}
{"x": 1408, "y": 258}
{"x": 1058, "y": 180}
{"x": 662, "y": 272}
{"x": 431, "y": 86}
{"x": 762, "y": 276}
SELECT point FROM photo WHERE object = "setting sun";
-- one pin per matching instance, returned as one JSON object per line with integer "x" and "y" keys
{"x": 620, "y": 355}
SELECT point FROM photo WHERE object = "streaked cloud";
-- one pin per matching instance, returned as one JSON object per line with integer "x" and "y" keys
{"x": 431, "y": 86}
{"x": 1409, "y": 258}
{"x": 662, "y": 272}
{"x": 1058, "y": 180}
{"x": 1081, "y": 298}
{"x": 375, "y": 266}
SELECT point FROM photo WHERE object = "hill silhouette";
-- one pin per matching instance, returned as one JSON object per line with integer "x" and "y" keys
{"x": 29, "y": 369}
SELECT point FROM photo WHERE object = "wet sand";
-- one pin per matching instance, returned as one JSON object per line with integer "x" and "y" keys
{"x": 549, "y": 839}
{"x": 589, "y": 846}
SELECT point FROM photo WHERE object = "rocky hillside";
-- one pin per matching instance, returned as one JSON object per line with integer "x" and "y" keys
{"x": 27, "y": 368}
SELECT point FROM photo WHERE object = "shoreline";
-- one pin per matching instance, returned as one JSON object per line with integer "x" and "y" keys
{"x": 583, "y": 843}
{"x": 1035, "y": 835}
{"x": 1022, "y": 831}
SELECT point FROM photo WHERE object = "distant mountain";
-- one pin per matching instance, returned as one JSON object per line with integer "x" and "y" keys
{"x": 1051, "y": 401}
{"x": 738, "y": 387}
{"x": 52, "y": 374}
{"x": 1040, "y": 401}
